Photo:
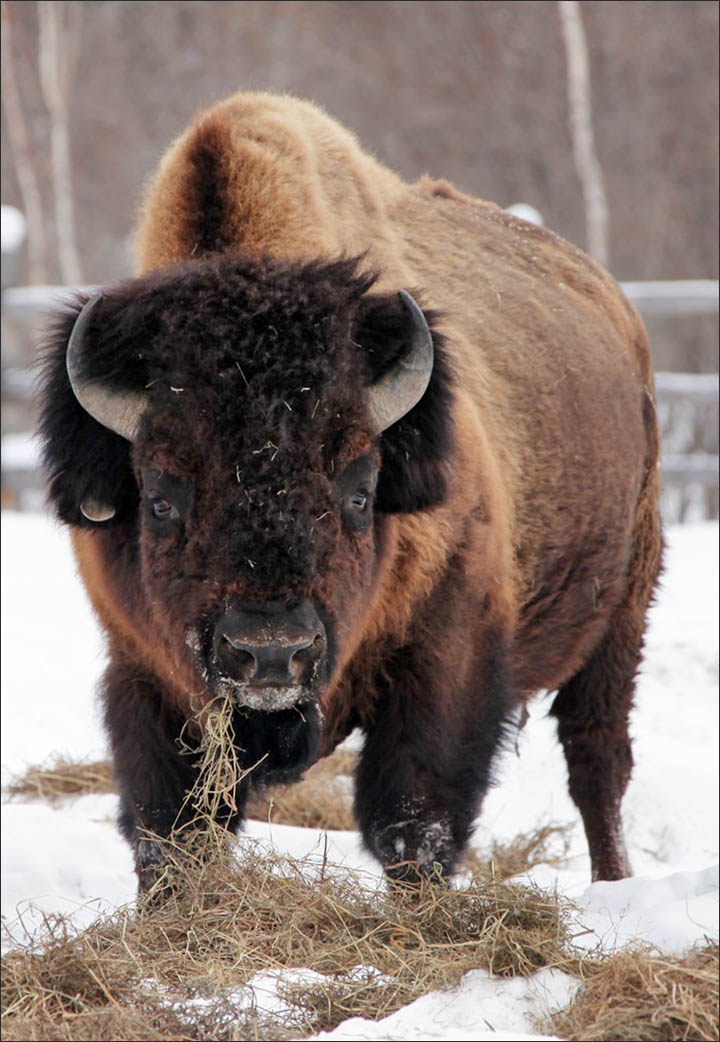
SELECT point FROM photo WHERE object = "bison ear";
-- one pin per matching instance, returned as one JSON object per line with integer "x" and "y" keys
{"x": 88, "y": 466}
{"x": 416, "y": 448}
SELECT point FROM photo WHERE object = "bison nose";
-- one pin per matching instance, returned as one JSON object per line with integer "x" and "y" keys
{"x": 264, "y": 646}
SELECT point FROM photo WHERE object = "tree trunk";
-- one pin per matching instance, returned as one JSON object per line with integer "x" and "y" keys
{"x": 59, "y": 27}
{"x": 587, "y": 163}
{"x": 22, "y": 152}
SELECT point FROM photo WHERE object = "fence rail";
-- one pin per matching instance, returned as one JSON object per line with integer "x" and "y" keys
{"x": 691, "y": 396}
{"x": 672, "y": 297}
{"x": 678, "y": 297}
{"x": 702, "y": 387}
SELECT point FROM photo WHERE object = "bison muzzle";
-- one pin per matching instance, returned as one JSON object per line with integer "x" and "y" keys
{"x": 268, "y": 655}
{"x": 353, "y": 453}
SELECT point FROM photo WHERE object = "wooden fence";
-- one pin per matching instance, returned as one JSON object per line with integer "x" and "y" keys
{"x": 687, "y": 402}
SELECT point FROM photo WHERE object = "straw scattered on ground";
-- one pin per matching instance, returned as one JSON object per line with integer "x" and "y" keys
{"x": 141, "y": 974}
{"x": 323, "y": 799}
{"x": 548, "y": 844}
{"x": 639, "y": 995}
{"x": 181, "y": 969}
{"x": 60, "y": 778}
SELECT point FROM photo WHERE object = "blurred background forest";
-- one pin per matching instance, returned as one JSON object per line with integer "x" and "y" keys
{"x": 476, "y": 92}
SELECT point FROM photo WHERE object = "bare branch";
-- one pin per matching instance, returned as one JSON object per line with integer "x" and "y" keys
{"x": 586, "y": 158}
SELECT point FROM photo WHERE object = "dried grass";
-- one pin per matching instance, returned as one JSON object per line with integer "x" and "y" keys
{"x": 60, "y": 777}
{"x": 218, "y": 769}
{"x": 644, "y": 996}
{"x": 323, "y": 799}
{"x": 231, "y": 920}
{"x": 546, "y": 845}
{"x": 176, "y": 970}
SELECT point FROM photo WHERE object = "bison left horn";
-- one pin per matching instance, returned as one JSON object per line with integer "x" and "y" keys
{"x": 120, "y": 411}
{"x": 403, "y": 386}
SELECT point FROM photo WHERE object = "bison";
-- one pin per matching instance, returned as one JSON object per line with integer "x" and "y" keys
{"x": 353, "y": 453}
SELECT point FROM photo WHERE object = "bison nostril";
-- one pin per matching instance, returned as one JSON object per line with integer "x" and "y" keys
{"x": 268, "y": 647}
{"x": 232, "y": 660}
{"x": 307, "y": 654}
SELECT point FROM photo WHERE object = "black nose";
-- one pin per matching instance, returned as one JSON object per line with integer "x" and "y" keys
{"x": 269, "y": 644}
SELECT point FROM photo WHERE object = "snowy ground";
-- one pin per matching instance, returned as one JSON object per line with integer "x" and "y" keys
{"x": 71, "y": 859}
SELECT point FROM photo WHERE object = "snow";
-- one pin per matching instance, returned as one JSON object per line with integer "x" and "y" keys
{"x": 526, "y": 212}
{"x": 70, "y": 857}
{"x": 666, "y": 912}
{"x": 20, "y": 452}
{"x": 13, "y": 228}
{"x": 470, "y": 1011}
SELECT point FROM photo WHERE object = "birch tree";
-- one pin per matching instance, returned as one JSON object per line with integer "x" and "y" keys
{"x": 587, "y": 163}
{"x": 59, "y": 31}
{"x": 28, "y": 184}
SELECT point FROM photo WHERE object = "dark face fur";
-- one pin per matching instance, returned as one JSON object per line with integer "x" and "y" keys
{"x": 256, "y": 489}
{"x": 256, "y": 525}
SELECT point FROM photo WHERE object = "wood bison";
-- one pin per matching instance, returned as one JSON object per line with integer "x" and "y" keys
{"x": 351, "y": 452}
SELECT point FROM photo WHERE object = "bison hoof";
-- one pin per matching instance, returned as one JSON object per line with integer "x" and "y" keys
{"x": 151, "y": 866}
{"x": 413, "y": 851}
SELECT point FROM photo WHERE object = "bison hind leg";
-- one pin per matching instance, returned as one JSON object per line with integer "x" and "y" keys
{"x": 593, "y": 707}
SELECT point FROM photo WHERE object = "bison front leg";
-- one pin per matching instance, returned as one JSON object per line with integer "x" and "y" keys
{"x": 428, "y": 755}
{"x": 153, "y": 775}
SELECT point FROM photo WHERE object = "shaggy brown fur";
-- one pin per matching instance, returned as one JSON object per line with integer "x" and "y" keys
{"x": 516, "y": 539}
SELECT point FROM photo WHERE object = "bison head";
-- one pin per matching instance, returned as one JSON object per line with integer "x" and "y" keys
{"x": 235, "y": 434}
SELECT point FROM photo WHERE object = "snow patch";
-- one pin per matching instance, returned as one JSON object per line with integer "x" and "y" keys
{"x": 13, "y": 228}
{"x": 481, "y": 1007}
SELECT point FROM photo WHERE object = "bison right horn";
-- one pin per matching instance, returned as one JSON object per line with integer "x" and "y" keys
{"x": 119, "y": 411}
{"x": 403, "y": 386}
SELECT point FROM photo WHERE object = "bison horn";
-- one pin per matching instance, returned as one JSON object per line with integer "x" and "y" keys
{"x": 120, "y": 411}
{"x": 403, "y": 386}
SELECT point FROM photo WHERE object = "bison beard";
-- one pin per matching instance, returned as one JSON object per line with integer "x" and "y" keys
{"x": 401, "y": 492}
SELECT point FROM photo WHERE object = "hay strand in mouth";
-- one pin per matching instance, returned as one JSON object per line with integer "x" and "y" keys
{"x": 219, "y": 772}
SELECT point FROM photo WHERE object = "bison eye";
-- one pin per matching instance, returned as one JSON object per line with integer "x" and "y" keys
{"x": 163, "y": 510}
{"x": 357, "y": 509}
{"x": 356, "y": 490}
{"x": 359, "y": 501}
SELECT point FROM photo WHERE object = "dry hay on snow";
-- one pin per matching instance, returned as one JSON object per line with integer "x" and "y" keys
{"x": 176, "y": 970}
{"x": 546, "y": 845}
{"x": 639, "y": 995}
{"x": 323, "y": 799}
{"x": 140, "y": 974}
{"x": 61, "y": 777}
